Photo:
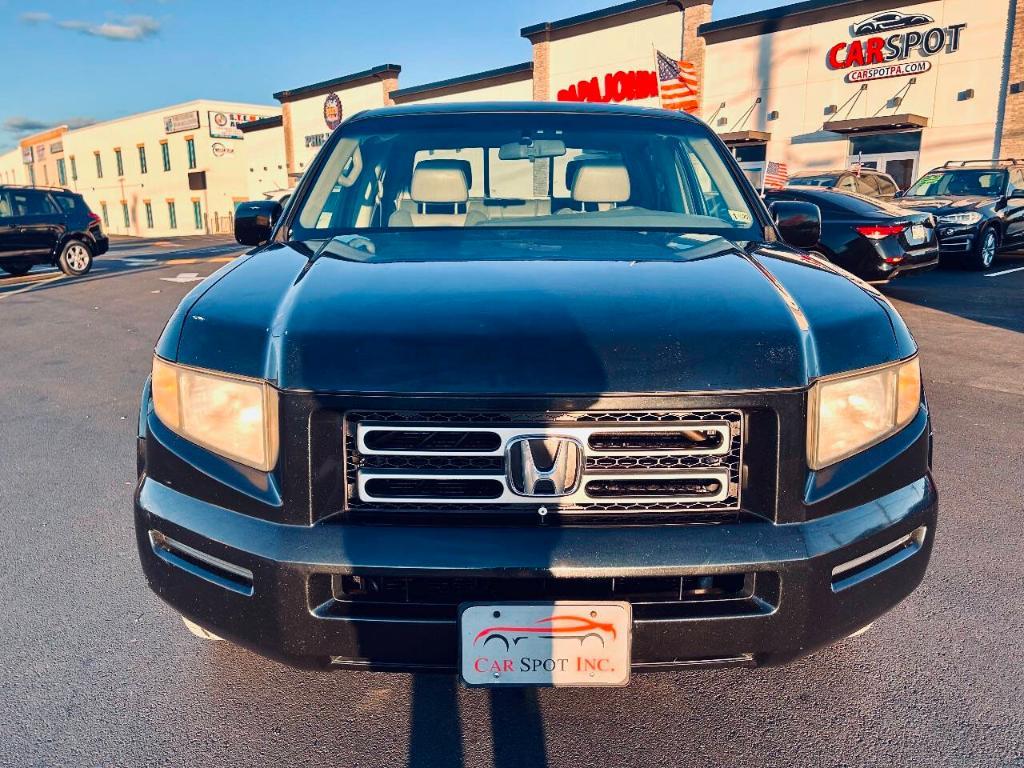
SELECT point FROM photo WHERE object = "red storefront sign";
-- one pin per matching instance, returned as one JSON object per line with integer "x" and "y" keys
{"x": 614, "y": 87}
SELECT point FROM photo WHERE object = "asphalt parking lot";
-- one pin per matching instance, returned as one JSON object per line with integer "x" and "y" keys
{"x": 98, "y": 672}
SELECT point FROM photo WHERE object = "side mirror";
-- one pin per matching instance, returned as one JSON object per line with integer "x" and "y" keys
{"x": 799, "y": 224}
{"x": 1017, "y": 194}
{"x": 254, "y": 221}
{"x": 899, "y": 194}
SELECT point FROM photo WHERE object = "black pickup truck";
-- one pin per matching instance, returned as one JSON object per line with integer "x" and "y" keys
{"x": 541, "y": 394}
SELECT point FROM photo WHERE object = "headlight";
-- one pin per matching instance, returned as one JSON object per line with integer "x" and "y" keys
{"x": 229, "y": 415}
{"x": 961, "y": 218}
{"x": 851, "y": 412}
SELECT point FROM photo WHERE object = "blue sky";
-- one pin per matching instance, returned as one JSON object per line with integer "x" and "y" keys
{"x": 77, "y": 61}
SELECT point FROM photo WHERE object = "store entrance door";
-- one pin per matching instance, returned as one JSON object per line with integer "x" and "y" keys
{"x": 902, "y": 166}
{"x": 896, "y": 153}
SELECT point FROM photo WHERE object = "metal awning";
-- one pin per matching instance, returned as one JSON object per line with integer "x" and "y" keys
{"x": 880, "y": 123}
{"x": 745, "y": 137}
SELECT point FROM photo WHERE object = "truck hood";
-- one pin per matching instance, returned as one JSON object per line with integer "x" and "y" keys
{"x": 566, "y": 313}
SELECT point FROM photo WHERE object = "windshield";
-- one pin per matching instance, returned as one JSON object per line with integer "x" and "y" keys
{"x": 986, "y": 181}
{"x": 522, "y": 169}
{"x": 825, "y": 180}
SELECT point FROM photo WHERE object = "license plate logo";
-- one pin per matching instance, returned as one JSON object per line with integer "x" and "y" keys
{"x": 556, "y": 644}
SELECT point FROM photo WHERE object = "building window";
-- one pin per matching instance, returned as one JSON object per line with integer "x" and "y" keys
{"x": 197, "y": 213}
{"x": 142, "y": 159}
{"x": 31, "y": 176}
{"x": 62, "y": 173}
{"x": 103, "y": 212}
{"x": 165, "y": 153}
{"x": 99, "y": 165}
{"x": 190, "y": 148}
{"x": 172, "y": 215}
{"x": 74, "y": 169}
{"x": 149, "y": 214}
{"x": 124, "y": 210}
{"x": 120, "y": 162}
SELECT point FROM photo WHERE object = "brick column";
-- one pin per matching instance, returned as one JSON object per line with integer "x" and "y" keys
{"x": 289, "y": 148}
{"x": 541, "y": 92}
{"x": 542, "y": 69}
{"x": 693, "y": 45}
{"x": 389, "y": 84}
{"x": 1012, "y": 139}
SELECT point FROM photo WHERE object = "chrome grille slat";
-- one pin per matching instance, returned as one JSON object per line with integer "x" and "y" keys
{"x": 583, "y": 434}
{"x": 709, "y": 466}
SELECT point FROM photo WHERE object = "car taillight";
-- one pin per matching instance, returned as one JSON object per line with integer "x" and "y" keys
{"x": 880, "y": 231}
{"x": 93, "y": 218}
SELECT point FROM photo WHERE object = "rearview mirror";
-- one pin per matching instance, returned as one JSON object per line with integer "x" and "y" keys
{"x": 255, "y": 220}
{"x": 531, "y": 149}
{"x": 799, "y": 224}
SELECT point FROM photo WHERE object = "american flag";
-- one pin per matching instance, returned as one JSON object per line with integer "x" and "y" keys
{"x": 775, "y": 175}
{"x": 678, "y": 82}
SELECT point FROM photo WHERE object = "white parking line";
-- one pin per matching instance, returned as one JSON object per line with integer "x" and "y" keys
{"x": 1004, "y": 272}
{"x": 31, "y": 286}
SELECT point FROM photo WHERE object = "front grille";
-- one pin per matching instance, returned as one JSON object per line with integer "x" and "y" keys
{"x": 625, "y": 462}
{"x": 454, "y": 591}
{"x": 400, "y": 598}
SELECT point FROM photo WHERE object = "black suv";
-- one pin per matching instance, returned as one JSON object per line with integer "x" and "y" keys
{"x": 47, "y": 226}
{"x": 864, "y": 182}
{"x": 540, "y": 393}
{"x": 979, "y": 205}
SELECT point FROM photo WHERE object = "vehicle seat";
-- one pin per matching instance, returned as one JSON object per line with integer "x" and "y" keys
{"x": 437, "y": 196}
{"x": 601, "y": 181}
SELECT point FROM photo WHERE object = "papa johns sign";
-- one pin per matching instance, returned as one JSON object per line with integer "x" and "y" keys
{"x": 617, "y": 86}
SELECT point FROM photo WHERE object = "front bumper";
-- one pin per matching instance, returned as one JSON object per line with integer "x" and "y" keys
{"x": 957, "y": 240}
{"x": 259, "y": 583}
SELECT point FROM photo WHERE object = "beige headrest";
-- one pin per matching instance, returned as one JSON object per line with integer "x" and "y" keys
{"x": 440, "y": 181}
{"x": 601, "y": 181}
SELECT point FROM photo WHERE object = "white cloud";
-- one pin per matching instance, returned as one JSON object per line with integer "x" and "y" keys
{"x": 35, "y": 17}
{"x": 20, "y": 125}
{"x": 118, "y": 29}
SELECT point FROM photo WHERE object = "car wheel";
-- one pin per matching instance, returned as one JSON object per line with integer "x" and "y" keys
{"x": 198, "y": 631}
{"x": 17, "y": 268}
{"x": 75, "y": 259}
{"x": 984, "y": 252}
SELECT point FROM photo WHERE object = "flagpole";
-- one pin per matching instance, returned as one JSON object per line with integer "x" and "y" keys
{"x": 657, "y": 72}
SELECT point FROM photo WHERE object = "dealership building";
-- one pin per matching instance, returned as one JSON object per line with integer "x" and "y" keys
{"x": 178, "y": 170}
{"x": 816, "y": 85}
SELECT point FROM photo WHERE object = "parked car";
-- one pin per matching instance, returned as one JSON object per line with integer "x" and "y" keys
{"x": 47, "y": 226}
{"x": 979, "y": 205}
{"x": 869, "y": 238}
{"x": 539, "y": 393}
{"x": 866, "y": 182}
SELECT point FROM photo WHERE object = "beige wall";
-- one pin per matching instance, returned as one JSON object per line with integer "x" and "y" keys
{"x": 266, "y": 169}
{"x": 223, "y": 160}
{"x": 605, "y": 49}
{"x": 520, "y": 90}
{"x": 788, "y": 70}
{"x": 307, "y": 117}
{"x": 12, "y": 170}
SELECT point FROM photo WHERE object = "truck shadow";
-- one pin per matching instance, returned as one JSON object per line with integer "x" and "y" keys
{"x": 436, "y": 730}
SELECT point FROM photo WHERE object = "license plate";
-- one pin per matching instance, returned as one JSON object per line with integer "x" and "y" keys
{"x": 545, "y": 644}
{"x": 917, "y": 233}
